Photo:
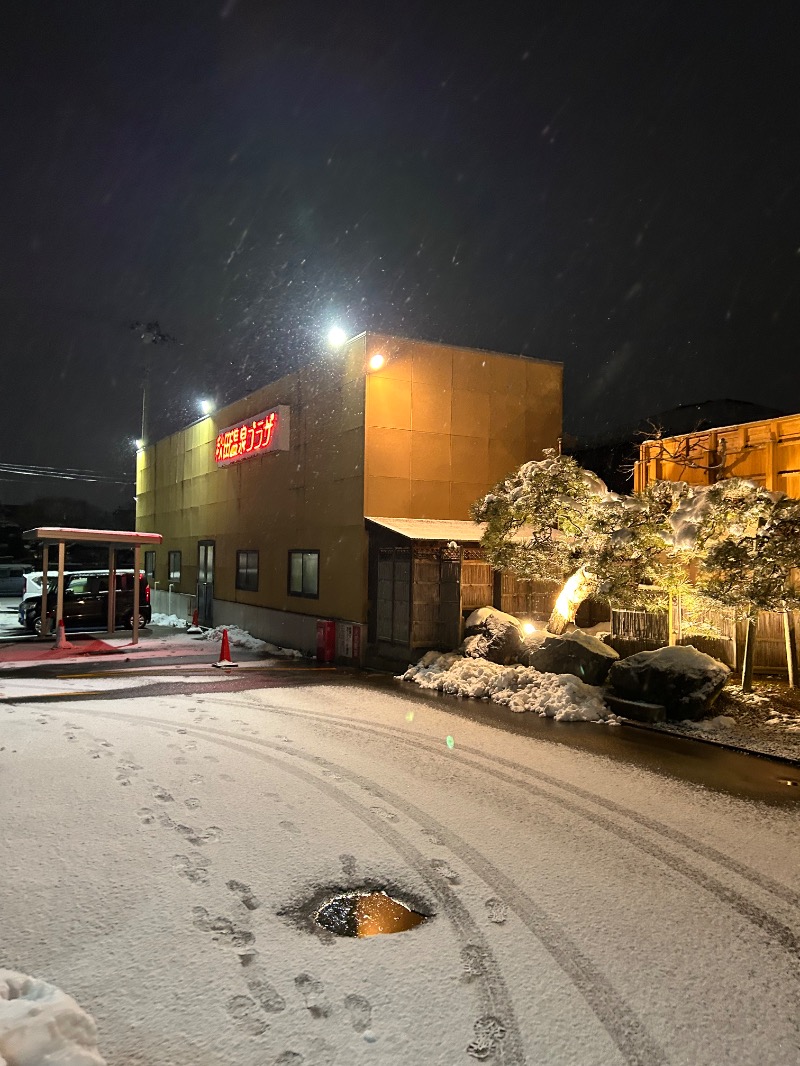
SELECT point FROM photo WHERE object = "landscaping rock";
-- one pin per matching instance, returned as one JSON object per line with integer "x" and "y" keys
{"x": 493, "y": 635}
{"x": 638, "y": 710}
{"x": 682, "y": 679}
{"x": 575, "y": 653}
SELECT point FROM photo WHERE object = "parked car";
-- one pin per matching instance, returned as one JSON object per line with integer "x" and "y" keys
{"x": 32, "y": 582}
{"x": 86, "y": 601}
{"x": 12, "y": 578}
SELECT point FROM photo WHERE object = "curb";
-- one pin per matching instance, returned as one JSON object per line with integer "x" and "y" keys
{"x": 725, "y": 745}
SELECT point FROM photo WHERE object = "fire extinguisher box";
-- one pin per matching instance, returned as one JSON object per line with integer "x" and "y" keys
{"x": 326, "y": 640}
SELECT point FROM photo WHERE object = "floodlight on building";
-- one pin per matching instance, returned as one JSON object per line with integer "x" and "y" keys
{"x": 336, "y": 336}
{"x": 206, "y": 406}
{"x": 139, "y": 444}
{"x": 376, "y": 361}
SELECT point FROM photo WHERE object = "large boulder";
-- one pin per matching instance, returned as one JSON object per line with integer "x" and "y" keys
{"x": 493, "y": 635}
{"x": 683, "y": 680}
{"x": 575, "y": 653}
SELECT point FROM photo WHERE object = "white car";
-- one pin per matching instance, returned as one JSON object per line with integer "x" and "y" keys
{"x": 12, "y": 577}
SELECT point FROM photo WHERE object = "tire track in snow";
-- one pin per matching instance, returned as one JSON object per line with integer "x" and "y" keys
{"x": 635, "y": 1044}
{"x": 747, "y": 908}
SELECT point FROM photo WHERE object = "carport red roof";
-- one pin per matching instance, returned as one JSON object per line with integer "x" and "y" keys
{"x": 59, "y": 534}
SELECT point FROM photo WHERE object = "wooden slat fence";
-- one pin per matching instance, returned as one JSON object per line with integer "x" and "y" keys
{"x": 633, "y": 631}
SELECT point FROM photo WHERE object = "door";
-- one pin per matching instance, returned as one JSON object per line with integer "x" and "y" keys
{"x": 205, "y": 582}
{"x": 394, "y": 595}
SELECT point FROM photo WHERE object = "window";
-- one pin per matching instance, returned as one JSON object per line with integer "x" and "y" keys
{"x": 174, "y": 566}
{"x": 247, "y": 571}
{"x": 304, "y": 573}
{"x": 150, "y": 565}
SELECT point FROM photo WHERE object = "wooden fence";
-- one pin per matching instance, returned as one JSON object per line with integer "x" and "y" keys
{"x": 633, "y": 631}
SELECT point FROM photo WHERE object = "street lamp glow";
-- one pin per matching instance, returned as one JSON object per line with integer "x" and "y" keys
{"x": 139, "y": 444}
{"x": 336, "y": 336}
{"x": 206, "y": 406}
{"x": 376, "y": 361}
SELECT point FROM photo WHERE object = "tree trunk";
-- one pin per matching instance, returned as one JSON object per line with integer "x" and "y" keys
{"x": 576, "y": 589}
{"x": 749, "y": 651}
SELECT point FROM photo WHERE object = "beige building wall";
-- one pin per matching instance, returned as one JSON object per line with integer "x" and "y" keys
{"x": 444, "y": 424}
{"x": 423, "y": 436}
{"x": 309, "y": 497}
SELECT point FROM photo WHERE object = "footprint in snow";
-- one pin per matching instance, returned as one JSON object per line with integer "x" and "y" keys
{"x": 313, "y": 993}
{"x": 447, "y": 872}
{"x": 360, "y": 1012}
{"x": 247, "y": 1013}
{"x": 498, "y": 912}
{"x": 245, "y": 894}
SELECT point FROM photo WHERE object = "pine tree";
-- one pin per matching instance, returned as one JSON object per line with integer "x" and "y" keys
{"x": 553, "y": 519}
{"x": 746, "y": 541}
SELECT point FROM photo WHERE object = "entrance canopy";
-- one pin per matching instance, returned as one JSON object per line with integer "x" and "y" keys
{"x": 459, "y": 530}
{"x": 60, "y": 536}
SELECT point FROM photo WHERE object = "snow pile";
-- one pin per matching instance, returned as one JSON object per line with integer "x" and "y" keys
{"x": 42, "y": 1026}
{"x": 520, "y": 688}
{"x": 168, "y": 620}
{"x": 711, "y": 725}
{"x": 240, "y": 638}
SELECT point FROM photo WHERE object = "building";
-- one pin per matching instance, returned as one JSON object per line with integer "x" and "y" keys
{"x": 613, "y": 457}
{"x": 314, "y": 498}
{"x": 766, "y": 452}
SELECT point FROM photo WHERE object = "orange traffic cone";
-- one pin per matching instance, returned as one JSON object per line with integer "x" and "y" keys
{"x": 61, "y": 637}
{"x": 194, "y": 627}
{"x": 225, "y": 653}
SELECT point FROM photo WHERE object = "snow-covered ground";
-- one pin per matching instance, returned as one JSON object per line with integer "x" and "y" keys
{"x": 158, "y": 853}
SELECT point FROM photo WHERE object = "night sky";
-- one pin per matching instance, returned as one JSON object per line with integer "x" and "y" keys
{"x": 614, "y": 186}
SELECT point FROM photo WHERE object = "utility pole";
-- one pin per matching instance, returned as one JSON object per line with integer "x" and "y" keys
{"x": 149, "y": 333}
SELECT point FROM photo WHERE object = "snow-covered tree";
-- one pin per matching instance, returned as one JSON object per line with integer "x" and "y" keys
{"x": 746, "y": 541}
{"x": 553, "y": 519}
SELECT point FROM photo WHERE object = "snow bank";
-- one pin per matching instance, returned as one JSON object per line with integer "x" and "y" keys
{"x": 168, "y": 620}
{"x": 520, "y": 688}
{"x": 240, "y": 638}
{"x": 42, "y": 1026}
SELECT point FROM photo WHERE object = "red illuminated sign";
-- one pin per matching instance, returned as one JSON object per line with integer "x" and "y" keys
{"x": 266, "y": 432}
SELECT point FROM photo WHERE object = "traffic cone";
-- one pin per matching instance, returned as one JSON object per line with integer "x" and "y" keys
{"x": 194, "y": 627}
{"x": 61, "y": 637}
{"x": 225, "y": 653}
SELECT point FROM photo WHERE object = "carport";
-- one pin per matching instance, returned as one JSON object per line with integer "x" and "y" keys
{"x": 59, "y": 537}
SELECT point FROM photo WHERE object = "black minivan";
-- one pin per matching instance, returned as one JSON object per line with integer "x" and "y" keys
{"x": 86, "y": 601}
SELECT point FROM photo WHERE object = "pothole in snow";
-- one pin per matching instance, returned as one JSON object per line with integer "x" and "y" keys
{"x": 366, "y": 914}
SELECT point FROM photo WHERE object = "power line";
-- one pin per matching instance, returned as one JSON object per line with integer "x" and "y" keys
{"x": 63, "y": 474}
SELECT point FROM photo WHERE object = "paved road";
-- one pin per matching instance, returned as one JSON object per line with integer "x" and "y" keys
{"x": 165, "y": 851}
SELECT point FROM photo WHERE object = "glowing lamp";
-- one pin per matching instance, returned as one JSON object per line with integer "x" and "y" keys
{"x": 206, "y": 406}
{"x": 528, "y": 628}
{"x": 376, "y": 361}
{"x": 336, "y": 336}
{"x": 139, "y": 444}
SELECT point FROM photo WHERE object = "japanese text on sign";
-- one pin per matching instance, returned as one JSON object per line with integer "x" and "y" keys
{"x": 264, "y": 433}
